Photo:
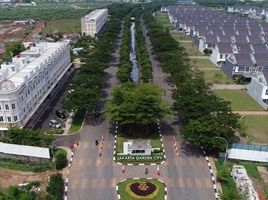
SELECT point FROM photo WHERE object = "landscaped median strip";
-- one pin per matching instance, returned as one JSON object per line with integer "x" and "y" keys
{"x": 140, "y": 164}
{"x": 118, "y": 192}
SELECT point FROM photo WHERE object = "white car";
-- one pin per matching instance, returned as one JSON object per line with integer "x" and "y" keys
{"x": 54, "y": 124}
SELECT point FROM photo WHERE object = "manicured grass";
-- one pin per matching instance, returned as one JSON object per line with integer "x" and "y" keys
{"x": 239, "y": 99}
{"x": 202, "y": 63}
{"x": 162, "y": 18}
{"x": 125, "y": 195}
{"x": 77, "y": 121}
{"x": 216, "y": 76}
{"x": 179, "y": 36}
{"x": 62, "y": 25}
{"x": 257, "y": 128}
{"x": 191, "y": 49}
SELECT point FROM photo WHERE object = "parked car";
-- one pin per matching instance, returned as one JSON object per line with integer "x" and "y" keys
{"x": 60, "y": 114}
{"x": 54, "y": 124}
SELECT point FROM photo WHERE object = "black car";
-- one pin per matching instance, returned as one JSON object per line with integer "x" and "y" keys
{"x": 60, "y": 114}
{"x": 96, "y": 113}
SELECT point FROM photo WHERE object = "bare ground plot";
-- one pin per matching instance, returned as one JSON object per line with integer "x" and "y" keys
{"x": 239, "y": 99}
{"x": 257, "y": 128}
{"x": 62, "y": 25}
{"x": 13, "y": 177}
{"x": 202, "y": 63}
{"x": 216, "y": 76}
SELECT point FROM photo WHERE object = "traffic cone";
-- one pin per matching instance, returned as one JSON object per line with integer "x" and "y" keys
{"x": 158, "y": 170}
{"x": 123, "y": 168}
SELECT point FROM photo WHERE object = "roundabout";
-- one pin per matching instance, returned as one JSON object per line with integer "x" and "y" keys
{"x": 141, "y": 189}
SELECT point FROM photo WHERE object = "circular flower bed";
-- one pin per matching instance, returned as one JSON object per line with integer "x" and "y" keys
{"x": 143, "y": 188}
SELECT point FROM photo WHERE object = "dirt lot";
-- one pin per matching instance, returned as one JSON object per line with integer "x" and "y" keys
{"x": 12, "y": 177}
{"x": 11, "y": 32}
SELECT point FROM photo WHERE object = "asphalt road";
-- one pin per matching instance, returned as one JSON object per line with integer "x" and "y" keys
{"x": 92, "y": 177}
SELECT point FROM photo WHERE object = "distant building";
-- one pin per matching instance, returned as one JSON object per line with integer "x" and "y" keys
{"x": 243, "y": 182}
{"x": 27, "y": 79}
{"x": 93, "y": 22}
{"x": 5, "y": 3}
{"x": 138, "y": 147}
{"x": 29, "y": 154}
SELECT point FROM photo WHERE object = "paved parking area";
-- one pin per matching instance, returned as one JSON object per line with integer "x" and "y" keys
{"x": 46, "y": 111}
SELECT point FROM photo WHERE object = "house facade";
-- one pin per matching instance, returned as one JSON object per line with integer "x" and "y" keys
{"x": 27, "y": 79}
{"x": 93, "y": 22}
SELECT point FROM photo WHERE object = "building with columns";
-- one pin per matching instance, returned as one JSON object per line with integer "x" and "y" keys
{"x": 27, "y": 80}
{"x": 92, "y": 23}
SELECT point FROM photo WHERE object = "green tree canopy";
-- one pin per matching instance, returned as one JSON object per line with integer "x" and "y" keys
{"x": 136, "y": 104}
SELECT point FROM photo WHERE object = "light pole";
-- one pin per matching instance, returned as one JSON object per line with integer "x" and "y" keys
{"x": 226, "y": 146}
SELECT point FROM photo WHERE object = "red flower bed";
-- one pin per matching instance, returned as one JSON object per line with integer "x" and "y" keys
{"x": 143, "y": 189}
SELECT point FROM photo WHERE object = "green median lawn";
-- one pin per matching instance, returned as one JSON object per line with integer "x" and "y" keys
{"x": 240, "y": 100}
{"x": 257, "y": 128}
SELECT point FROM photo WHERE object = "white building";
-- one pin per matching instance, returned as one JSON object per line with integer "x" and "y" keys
{"x": 24, "y": 153}
{"x": 93, "y": 22}
{"x": 27, "y": 80}
{"x": 243, "y": 182}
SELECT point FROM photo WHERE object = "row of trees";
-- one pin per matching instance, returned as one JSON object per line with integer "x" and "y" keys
{"x": 204, "y": 116}
{"x": 87, "y": 84}
{"x": 27, "y": 137}
{"x": 124, "y": 66}
{"x": 142, "y": 53}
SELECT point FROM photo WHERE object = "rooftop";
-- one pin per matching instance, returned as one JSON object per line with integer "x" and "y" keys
{"x": 31, "y": 151}
{"x": 94, "y": 15}
{"x": 17, "y": 71}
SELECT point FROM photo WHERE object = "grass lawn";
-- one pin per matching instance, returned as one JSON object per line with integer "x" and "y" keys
{"x": 17, "y": 165}
{"x": 239, "y": 99}
{"x": 125, "y": 195}
{"x": 62, "y": 25}
{"x": 191, "y": 49}
{"x": 216, "y": 76}
{"x": 257, "y": 128}
{"x": 77, "y": 122}
{"x": 179, "y": 36}
{"x": 202, "y": 63}
{"x": 162, "y": 18}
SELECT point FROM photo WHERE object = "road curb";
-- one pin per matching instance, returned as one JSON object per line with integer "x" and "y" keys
{"x": 67, "y": 175}
{"x": 212, "y": 175}
{"x": 139, "y": 164}
{"x": 150, "y": 178}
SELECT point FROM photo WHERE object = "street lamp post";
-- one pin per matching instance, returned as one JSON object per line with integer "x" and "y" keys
{"x": 226, "y": 146}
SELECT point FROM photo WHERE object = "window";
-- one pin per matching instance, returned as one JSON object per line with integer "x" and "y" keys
{"x": 220, "y": 56}
{"x": 13, "y": 106}
{"x": 15, "y": 118}
{"x": 1, "y": 119}
{"x": 266, "y": 92}
{"x": 9, "y": 119}
{"x": 7, "y": 107}
{"x": 0, "y": 108}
